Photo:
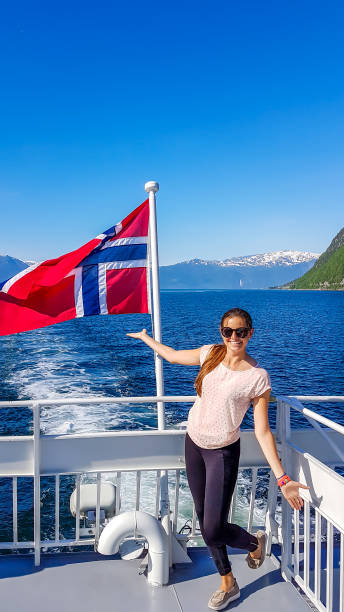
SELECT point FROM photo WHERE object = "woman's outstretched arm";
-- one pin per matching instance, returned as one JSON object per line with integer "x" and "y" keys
{"x": 188, "y": 357}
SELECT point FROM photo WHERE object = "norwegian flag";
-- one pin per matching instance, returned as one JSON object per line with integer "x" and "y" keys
{"x": 108, "y": 275}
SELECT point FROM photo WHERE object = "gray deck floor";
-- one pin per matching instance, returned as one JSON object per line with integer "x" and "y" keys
{"x": 89, "y": 582}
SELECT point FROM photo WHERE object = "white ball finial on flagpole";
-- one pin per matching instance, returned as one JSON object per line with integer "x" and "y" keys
{"x": 152, "y": 186}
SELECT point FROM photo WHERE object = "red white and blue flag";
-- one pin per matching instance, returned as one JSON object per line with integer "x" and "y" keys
{"x": 108, "y": 275}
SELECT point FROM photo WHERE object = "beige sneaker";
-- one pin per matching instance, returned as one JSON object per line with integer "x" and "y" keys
{"x": 255, "y": 563}
{"x": 220, "y": 599}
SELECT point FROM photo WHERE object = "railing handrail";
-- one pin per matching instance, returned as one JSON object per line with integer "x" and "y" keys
{"x": 294, "y": 401}
{"x": 144, "y": 399}
{"x": 147, "y": 399}
{"x": 311, "y": 414}
{"x": 318, "y": 398}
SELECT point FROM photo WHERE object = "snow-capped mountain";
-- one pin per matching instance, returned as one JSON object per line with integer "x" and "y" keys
{"x": 277, "y": 258}
{"x": 9, "y": 266}
{"x": 246, "y": 272}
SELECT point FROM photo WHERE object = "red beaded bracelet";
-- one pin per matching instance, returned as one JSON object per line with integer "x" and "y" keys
{"x": 283, "y": 480}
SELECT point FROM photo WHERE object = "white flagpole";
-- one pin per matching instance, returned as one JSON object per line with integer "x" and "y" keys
{"x": 152, "y": 187}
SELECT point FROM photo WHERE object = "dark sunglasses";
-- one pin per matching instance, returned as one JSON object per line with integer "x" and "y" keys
{"x": 241, "y": 332}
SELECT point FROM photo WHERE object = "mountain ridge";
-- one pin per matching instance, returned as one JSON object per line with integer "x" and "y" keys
{"x": 259, "y": 271}
{"x": 328, "y": 270}
{"x": 287, "y": 257}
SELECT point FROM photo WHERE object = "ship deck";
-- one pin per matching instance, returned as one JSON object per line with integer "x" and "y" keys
{"x": 85, "y": 582}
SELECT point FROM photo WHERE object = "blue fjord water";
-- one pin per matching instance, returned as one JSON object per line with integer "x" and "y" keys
{"x": 298, "y": 338}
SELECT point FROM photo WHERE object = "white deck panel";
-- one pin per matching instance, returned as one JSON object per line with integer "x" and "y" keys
{"x": 86, "y": 582}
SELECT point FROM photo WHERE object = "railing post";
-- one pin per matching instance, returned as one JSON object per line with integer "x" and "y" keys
{"x": 57, "y": 507}
{"x": 97, "y": 532}
{"x": 15, "y": 509}
{"x": 254, "y": 472}
{"x": 283, "y": 431}
{"x": 37, "y": 482}
{"x": 271, "y": 525}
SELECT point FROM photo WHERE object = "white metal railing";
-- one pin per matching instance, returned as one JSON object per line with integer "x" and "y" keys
{"x": 59, "y": 541}
{"x": 323, "y": 506}
{"x": 37, "y": 472}
{"x": 41, "y": 543}
{"x": 292, "y": 458}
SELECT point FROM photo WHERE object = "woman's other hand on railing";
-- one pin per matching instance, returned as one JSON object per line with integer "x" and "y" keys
{"x": 290, "y": 492}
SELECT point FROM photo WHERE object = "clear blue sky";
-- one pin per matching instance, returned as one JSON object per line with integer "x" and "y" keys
{"x": 236, "y": 108}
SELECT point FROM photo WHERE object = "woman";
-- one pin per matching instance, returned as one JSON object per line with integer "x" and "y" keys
{"x": 228, "y": 382}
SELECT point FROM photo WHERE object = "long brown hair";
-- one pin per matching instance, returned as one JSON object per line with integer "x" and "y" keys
{"x": 218, "y": 351}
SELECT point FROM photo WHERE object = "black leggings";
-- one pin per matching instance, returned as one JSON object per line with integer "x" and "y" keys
{"x": 212, "y": 473}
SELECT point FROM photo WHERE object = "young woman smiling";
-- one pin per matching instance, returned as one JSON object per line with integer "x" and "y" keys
{"x": 228, "y": 382}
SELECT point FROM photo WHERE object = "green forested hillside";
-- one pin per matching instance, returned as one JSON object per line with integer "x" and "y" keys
{"x": 328, "y": 271}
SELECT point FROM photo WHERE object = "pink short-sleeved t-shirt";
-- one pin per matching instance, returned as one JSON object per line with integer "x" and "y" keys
{"x": 215, "y": 417}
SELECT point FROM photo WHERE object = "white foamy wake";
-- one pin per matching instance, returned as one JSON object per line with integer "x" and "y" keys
{"x": 50, "y": 370}
{"x": 45, "y": 380}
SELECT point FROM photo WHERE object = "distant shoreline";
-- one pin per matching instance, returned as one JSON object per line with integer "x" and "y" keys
{"x": 242, "y": 290}
{"x": 303, "y": 289}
